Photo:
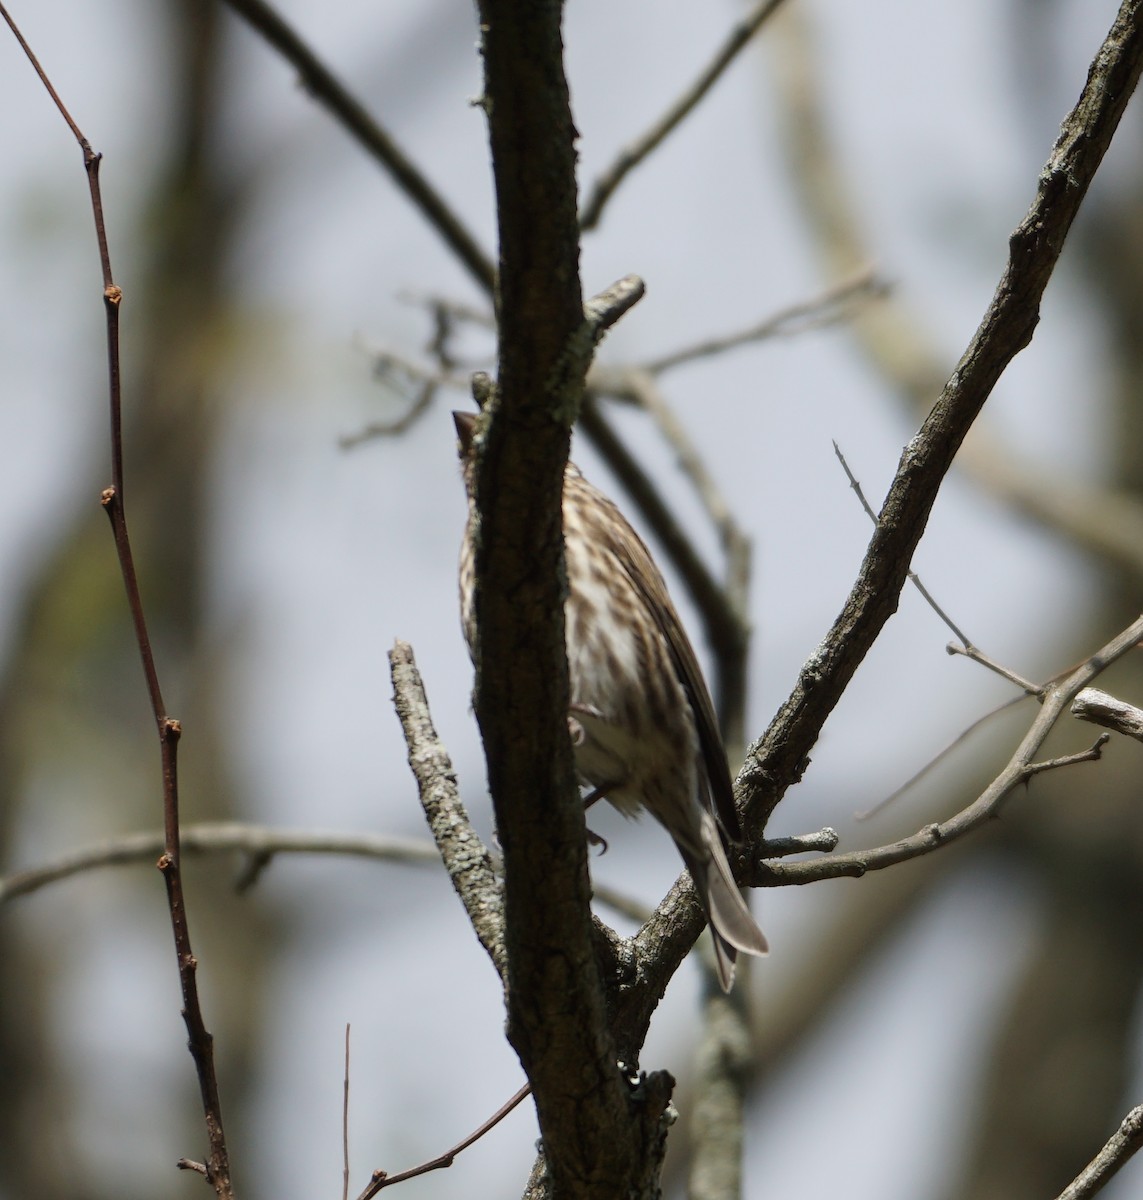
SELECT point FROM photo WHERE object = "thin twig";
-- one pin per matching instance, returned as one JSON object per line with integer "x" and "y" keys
{"x": 978, "y": 656}
{"x": 381, "y": 1180}
{"x": 1020, "y": 768}
{"x": 201, "y": 1043}
{"x": 1104, "y": 521}
{"x": 345, "y": 1122}
{"x": 832, "y": 306}
{"x": 1124, "y": 1143}
{"x": 324, "y": 86}
{"x": 422, "y": 402}
{"x": 914, "y": 578}
{"x": 937, "y": 759}
{"x": 632, "y": 155}
{"x": 1091, "y": 754}
{"x": 258, "y": 842}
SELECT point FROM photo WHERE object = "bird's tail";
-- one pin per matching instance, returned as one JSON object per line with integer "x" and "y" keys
{"x": 731, "y": 925}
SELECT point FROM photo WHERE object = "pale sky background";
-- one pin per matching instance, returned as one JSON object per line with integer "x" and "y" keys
{"x": 322, "y": 558}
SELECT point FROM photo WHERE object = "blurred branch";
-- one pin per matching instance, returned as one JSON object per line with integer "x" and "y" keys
{"x": 778, "y": 758}
{"x": 1105, "y": 522}
{"x": 631, "y": 156}
{"x": 345, "y": 1123}
{"x": 722, "y": 1072}
{"x": 723, "y": 606}
{"x": 1128, "y": 1138}
{"x": 1019, "y": 769}
{"x": 259, "y": 843}
{"x": 324, "y": 86}
{"x": 834, "y": 305}
{"x": 722, "y": 626}
{"x": 200, "y": 1041}
{"x": 940, "y": 756}
{"x": 1102, "y": 709}
{"x": 465, "y": 856}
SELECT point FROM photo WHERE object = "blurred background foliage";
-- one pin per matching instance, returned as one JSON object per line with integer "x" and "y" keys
{"x": 965, "y": 1025}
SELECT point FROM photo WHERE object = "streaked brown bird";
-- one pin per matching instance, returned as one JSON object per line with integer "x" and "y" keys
{"x": 641, "y": 719}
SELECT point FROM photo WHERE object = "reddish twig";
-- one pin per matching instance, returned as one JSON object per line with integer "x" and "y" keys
{"x": 217, "y": 1168}
{"x": 382, "y": 1180}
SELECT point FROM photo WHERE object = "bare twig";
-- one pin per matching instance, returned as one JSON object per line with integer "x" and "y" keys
{"x": 381, "y": 1180}
{"x": 631, "y": 156}
{"x": 465, "y": 856}
{"x": 978, "y": 656}
{"x": 345, "y": 1123}
{"x": 1104, "y": 521}
{"x": 1124, "y": 1143}
{"x": 1020, "y": 768}
{"x": 937, "y": 759}
{"x": 1006, "y": 328}
{"x": 1102, "y": 709}
{"x": 837, "y": 303}
{"x": 258, "y": 842}
{"x": 606, "y": 307}
{"x": 735, "y": 544}
{"x": 324, "y": 86}
{"x": 823, "y": 841}
{"x": 422, "y": 402}
{"x": 200, "y": 1042}
{"x": 914, "y": 578}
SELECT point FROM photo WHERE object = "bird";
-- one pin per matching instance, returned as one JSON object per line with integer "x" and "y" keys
{"x": 642, "y": 724}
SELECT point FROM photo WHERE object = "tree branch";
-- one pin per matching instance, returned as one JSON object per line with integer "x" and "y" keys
{"x": 1126, "y": 1140}
{"x": 1019, "y": 769}
{"x": 602, "y": 1134}
{"x": 466, "y": 859}
{"x": 199, "y": 1040}
{"x": 324, "y": 86}
{"x": 257, "y": 843}
{"x": 631, "y": 156}
{"x": 777, "y": 759}
{"x": 1102, "y": 709}
{"x": 1103, "y": 521}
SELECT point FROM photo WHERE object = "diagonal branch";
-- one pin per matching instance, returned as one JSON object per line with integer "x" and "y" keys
{"x": 1106, "y": 522}
{"x": 328, "y": 90}
{"x": 631, "y": 156}
{"x": 1121, "y": 1146}
{"x": 776, "y": 760}
{"x": 466, "y": 859}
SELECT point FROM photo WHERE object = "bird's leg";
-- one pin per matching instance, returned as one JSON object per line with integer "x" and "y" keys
{"x": 593, "y": 838}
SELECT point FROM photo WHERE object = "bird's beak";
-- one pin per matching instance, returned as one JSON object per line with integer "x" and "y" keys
{"x": 465, "y": 427}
